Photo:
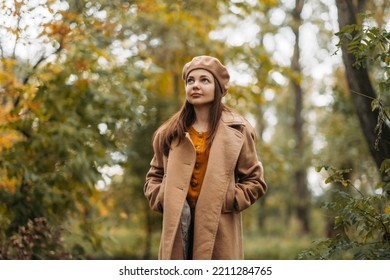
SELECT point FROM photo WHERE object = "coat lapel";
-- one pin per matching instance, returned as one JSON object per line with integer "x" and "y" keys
{"x": 223, "y": 156}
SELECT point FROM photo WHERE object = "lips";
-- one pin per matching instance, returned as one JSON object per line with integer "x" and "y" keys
{"x": 196, "y": 94}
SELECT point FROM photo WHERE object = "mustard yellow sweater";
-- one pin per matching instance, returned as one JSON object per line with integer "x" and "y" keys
{"x": 202, "y": 156}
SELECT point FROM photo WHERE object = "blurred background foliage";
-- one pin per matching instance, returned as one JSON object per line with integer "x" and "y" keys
{"x": 84, "y": 84}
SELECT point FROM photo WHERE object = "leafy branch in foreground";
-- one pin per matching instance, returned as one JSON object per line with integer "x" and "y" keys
{"x": 362, "y": 222}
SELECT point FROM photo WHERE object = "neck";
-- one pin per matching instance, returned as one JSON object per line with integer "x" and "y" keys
{"x": 201, "y": 123}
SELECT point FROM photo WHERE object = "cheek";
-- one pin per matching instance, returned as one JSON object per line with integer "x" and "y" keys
{"x": 212, "y": 91}
{"x": 187, "y": 90}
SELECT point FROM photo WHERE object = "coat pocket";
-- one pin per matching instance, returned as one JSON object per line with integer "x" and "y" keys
{"x": 160, "y": 197}
{"x": 228, "y": 205}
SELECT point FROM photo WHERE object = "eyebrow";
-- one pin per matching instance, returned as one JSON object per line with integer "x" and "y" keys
{"x": 201, "y": 76}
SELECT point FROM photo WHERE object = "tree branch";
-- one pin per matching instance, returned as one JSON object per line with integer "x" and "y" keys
{"x": 40, "y": 60}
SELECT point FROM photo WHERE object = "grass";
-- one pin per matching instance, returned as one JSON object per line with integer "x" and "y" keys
{"x": 275, "y": 241}
{"x": 274, "y": 247}
{"x": 124, "y": 243}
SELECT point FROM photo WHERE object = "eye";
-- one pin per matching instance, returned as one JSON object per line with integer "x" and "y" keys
{"x": 205, "y": 80}
{"x": 190, "y": 80}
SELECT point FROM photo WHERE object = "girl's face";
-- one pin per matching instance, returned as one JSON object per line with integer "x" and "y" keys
{"x": 200, "y": 88}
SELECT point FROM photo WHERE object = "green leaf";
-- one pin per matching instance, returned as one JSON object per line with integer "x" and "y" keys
{"x": 374, "y": 104}
{"x": 318, "y": 168}
{"x": 371, "y": 35}
{"x": 329, "y": 180}
{"x": 385, "y": 166}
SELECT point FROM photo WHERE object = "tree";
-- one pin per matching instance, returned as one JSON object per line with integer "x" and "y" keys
{"x": 300, "y": 173}
{"x": 62, "y": 109}
{"x": 360, "y": 85}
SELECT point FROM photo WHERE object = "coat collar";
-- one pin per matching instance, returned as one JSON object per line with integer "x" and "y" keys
{"x": 231, "y": 118}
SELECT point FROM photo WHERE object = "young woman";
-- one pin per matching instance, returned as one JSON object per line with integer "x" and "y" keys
{"x": 205, "y": 170}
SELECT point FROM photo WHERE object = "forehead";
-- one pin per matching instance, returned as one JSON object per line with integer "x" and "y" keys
{"x": 199, "y": 73}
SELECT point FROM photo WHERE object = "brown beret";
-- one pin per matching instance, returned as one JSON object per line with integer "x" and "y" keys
{"x": 211, "y": 64}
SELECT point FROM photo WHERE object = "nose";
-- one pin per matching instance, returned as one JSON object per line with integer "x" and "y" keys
{"x": 195, "y": 84}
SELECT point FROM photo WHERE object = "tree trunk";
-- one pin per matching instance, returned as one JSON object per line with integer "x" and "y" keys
{"x": 359, "y": 84}
{"x": 148, "y": 235}
{"x": 302, "y": 205}
{"x": 260, "y": 126}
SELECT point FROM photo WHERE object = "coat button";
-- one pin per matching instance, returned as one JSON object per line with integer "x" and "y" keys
{"x": 194, "y": 183}
{"x": 197, "y": 165}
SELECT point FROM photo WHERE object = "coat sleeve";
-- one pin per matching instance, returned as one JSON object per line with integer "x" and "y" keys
{"x": 153, "y": 188}
{"x": 250, "y": 185}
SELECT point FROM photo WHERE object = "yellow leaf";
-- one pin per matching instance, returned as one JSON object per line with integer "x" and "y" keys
{"x": 104, "y": 211}
{"x": 123, "y": 215}
{"x": 8, "y": 138}
{"x": 387, "y": 60}
{"x": 7, "y": 183}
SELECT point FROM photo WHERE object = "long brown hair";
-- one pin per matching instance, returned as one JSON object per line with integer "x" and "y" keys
{"x": 178, "y": 124}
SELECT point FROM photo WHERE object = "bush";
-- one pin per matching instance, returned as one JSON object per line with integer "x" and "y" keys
{"x": 362, "y": 222}
{"x": 36, "y": 240}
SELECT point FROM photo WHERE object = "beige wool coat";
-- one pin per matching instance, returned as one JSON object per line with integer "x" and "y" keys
{"x": 233, "y": 181}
